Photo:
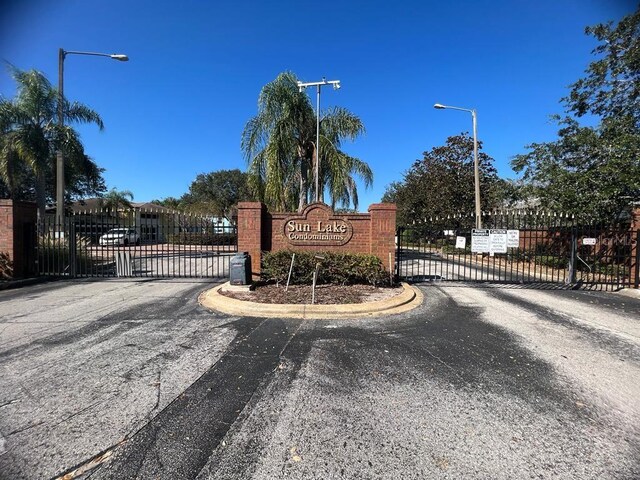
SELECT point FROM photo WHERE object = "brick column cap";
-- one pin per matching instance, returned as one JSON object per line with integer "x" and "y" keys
{"x": 383, "y": 206}
{"x": 251, "y": 205}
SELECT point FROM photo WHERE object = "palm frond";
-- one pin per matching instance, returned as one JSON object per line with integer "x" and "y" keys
{"x": 279, "y": 145}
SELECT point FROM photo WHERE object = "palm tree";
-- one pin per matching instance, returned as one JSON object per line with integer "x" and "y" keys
{"x": 280, "y": 146}
{"x": 116, "y": 199}
{"x": 30, "y": 134}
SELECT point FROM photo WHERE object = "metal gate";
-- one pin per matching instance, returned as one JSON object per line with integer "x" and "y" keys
{"x": 520, "y": 247}
{"x": 136, "y": 243}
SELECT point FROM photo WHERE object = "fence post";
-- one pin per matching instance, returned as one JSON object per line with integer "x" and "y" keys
{"x": 572, "y": 259}
{"x": 634, "y": 260}
{"x": 73, "y": 254}
{"x": 398, "y": 252}
{"x": 635, "y": 268}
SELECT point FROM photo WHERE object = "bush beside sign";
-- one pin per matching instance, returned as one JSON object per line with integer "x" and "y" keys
{"x": 317, "y": 228}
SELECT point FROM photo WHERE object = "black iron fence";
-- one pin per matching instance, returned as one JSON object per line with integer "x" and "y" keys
{"x": 520, "y": 247}
{"x": 139, "y": 243}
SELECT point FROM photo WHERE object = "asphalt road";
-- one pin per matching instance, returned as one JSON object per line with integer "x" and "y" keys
{"x": 479, "y": 382}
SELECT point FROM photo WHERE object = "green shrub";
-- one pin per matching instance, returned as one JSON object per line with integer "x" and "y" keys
{"x": 6, "y": 266}
{"x": 552, "y": 261}
{"x": 451, "y": 249}
{"x": 410, "y": 236}
{"x": 607, "y": 269}
{"x": 197, "y": 238}
{"x": 335, "y": 268}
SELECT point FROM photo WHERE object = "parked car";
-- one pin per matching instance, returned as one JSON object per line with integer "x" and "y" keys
{"x": 120, "y": 236}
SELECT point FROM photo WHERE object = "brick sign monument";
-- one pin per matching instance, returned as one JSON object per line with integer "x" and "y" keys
{"x": 317, "y": 228}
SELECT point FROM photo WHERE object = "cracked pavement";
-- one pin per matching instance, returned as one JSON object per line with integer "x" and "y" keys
{"x": 478, "y": 382}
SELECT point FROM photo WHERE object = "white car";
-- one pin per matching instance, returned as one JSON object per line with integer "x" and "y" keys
{"x": 120, "y": 236}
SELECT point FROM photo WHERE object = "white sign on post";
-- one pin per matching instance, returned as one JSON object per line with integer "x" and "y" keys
{"x": 480, "y": 240}
{"x": 497, "y": 241}
{"x": 461, "y": 242}
{"x": 513, "y": 238}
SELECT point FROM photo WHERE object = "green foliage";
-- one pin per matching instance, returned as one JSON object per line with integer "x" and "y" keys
{"x": 280, "y": 146}
{"x": 442, "y": 184}
{"x": 214, "y": 194}
{"x": 218, "y": 193}
{"x": 611, "y": 88}
{"x": 30, "y": 136}
{"x": 551, "y": 261}
{"x": 606, "y": 269}
{"x": 6, "y": 266}
{"x": 594, "y": 171}
{"x": 450, "y": 248}
{"x": 169, "y": 202}
{"x": 335, "y": 268}
{"x": 194, "y": 238}
{"x": 116, "y": 200}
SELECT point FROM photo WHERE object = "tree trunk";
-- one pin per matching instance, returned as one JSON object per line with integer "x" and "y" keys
{"x": 41, "y": 199}
{"x": 302, "y": 200}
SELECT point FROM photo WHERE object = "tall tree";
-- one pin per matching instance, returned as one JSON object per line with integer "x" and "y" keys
{"x": 441, "y": 183}
{"x": 30, "y": 136}
{"x": 611, "y": 88}
{"x": 218, "y": 193}
{"x": 280, "y": 146}
{"x": 590, "y": 171}
{"x": 594, "y": 171}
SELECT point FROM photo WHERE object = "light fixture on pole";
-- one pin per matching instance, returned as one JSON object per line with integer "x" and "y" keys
{"x": 476, "y": 169}
{"x": 59, "y": 155}
{"x": 301, "y": 87}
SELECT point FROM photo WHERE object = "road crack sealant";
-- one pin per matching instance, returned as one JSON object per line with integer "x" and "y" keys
{"x": 185, "y": 433}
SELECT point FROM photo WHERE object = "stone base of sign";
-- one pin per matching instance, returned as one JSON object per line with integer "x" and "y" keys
{"x": 317, "y": 228}
{"x": 410, "y": 298}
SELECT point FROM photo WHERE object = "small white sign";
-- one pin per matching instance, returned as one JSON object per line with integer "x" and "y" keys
{"x": 588, "y": 241}
{"x": 513, "y": 238}
{"x": 497, "y": 241}
{"x": 461, "y": 242}
{"x": 480, "y": 240}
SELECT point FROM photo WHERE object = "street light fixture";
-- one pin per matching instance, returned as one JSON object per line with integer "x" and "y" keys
{"x": 301, "y": 87}
{"x": 59, "y": 156}
{"x": 476, "y": 170}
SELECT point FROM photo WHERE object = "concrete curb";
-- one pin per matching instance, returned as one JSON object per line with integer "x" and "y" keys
{"x": 24, "y": 282}
{"x": 410, "y": 298}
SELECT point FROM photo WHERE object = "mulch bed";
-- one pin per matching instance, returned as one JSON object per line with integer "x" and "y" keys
{"x": 325, "y": 294}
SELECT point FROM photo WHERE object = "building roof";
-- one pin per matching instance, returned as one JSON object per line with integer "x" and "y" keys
{"x": 96, "y": 204}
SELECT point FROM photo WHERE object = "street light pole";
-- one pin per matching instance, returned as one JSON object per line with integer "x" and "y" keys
{"x": 476, "y": 169}
{"x": 318, "y": 85}
{"x": 59, "y": 155}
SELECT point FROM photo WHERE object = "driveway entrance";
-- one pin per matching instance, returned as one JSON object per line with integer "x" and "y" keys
{"x": 136, "y": 379}
{"x": 520, "y": 248}
{"x": 150, "y": 243}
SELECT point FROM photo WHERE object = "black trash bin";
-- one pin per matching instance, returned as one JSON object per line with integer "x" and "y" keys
{"x": 240, "y": 269}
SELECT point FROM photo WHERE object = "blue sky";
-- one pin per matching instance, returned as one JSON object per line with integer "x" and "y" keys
{"x": 178, "y": 107}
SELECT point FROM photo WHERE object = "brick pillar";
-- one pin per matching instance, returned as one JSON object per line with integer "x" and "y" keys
{"x": 383, "y": 232}
{"x": 634, "y": 271}
{"x": 250, "y": 216}
{"x": 18, "y": 235}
